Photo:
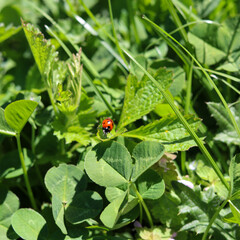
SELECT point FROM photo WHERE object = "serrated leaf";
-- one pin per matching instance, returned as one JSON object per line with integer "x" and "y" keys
{"x": 43, "y": 51}
{"x": 234, "y": 173}
{"x": 228, "y": 134}
{"x": 221, "y": 115}
{"x": 141, "y": 96}
{"x": 9, "y": 203}
{"x": 29, "y": 224}
{"x": 169, "y": 131}
{"x": 4, "y": 127}
{"x": 7, "y": 32}
{"x": 84, "y": 205}
{"x": 109, "y": 164}
{"x": 17, "y": 113}
{"x": 145, "y": 155}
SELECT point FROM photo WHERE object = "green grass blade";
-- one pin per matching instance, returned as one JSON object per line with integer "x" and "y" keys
{"x": 183, "y": 121}
{"x": 114, "y": 33}
{"x": 176, "y": 19}
{"x": 202, "y": 69}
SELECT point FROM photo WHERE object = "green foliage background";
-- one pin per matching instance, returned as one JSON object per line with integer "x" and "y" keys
{"x": 166, "y": 72}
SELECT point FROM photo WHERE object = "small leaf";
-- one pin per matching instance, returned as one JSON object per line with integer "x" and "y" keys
{"x": 150, "y": 185}
{"x": 18, "y": 113}
{"x": 29, "y": 224}
{"x": 58, "y": 213}
{"x": 9, "y": 203}
{"x": 145, "y": 155}
{"x": 64, "y": 181}
{"x": 84, "y": 205}
{"x": 141, "y": 96}
{"x": 109, "y": 164}
{"x": 110, "y": 214}
{"x": 43, "y": 51}
{"x": 4, "y": 127}
{"x": 234, "y": 173}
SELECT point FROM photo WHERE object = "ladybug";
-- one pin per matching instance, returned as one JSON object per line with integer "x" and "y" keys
{"x": 107, "y": 125}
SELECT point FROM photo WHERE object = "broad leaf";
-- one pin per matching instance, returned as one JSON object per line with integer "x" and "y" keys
{"x": 168, "y": 131}
{"x": 150, "y": 185}
{"x": 141, "y": 96}
{"x": 29, "y": 224}
{"x": 234, "y": 173}
{"x": 110, "y": 214}
{"x": 17, "y": 113}
{"x": 64, "y": 181}
{"x": 109, "y": 164}
{"x": 42, "y": 49}
{"x": 4, "y": 127}
{"x": 84, "y": 205}
{"x": 209, "y": 44}
{"x": 145, "y": 155}
{"x": 9, "y": 203}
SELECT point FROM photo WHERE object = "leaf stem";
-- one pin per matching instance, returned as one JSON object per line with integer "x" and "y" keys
{"x": 25, "y": 174}
{"x": 144, "y": 206}
{"x": 213, "y": 219}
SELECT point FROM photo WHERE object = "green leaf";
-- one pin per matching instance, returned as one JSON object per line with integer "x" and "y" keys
{"x": 58, "y": 208}
{"x": 7, "y": 32}
{"x": 150, "y": 185}
{"x": 43, "y": 51}
{"x": 236, "y": 214}
{"x": 227, "y": 131}
{"x": 179, "y": 77}
{"x": 109, "y": 164}
{"x": 64, "y": 181}
{"x": 110, "y": 214}
{"x": 207, "y": 173}
{"x": 145, "y": 155}
{"x": 234, "y": 173}
{"x": 141, "y": 96}
{"x": 4, "y": 127}
{"x": 84, "y": 205}
{"x": 10, "y": 166}
{"x": 18, "y": 113}
{"x": 9, "y": 203}
{"x": 169, "y": 131}
{"x": 29, "y": 224}
{"x": 205, "y": 52}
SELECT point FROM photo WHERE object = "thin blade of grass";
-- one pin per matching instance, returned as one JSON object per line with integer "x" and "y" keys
{"x": 202, "y": 69}
{"x": 183, "y": 120}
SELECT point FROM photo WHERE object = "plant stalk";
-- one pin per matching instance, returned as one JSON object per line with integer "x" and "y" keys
{"x": 144, "y": 206}
{"x": 213, "y": 219}
{"x": 25, "y": 174}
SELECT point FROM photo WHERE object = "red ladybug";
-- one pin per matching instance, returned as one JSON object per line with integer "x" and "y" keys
{"x": 107, "y": 125}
